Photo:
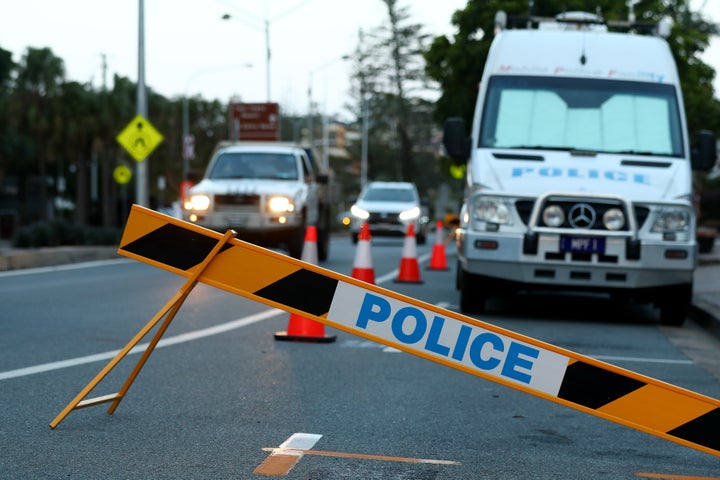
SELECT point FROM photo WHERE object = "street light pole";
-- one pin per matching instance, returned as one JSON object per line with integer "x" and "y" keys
{"x": 325, "y": 140}
{"x": 141, "y": 180}
{"x": 266, "y": 27}
{"x": 186, "y": 111}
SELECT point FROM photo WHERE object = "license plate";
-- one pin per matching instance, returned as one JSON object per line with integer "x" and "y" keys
{"x": 582, "y": 244}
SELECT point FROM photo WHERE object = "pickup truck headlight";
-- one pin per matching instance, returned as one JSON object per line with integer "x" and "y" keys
{"x": 410, "y": 214}
{"x": 198, "y": 203}
{"x": 280, "y": 204}
{"x": 360, "y": 213}
{"x": 491, "y": 210}
{"x": 669, "y": 220}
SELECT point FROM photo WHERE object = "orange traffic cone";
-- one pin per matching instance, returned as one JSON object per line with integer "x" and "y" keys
{"x": 409, "y": 267}
{"x": 438, "y": 260}
{"x": 363, "y": 268}
{"x": 301, "y": 329}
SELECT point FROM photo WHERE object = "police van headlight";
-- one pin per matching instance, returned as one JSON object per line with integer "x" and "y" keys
{"x": 410, "y": 214}
{"x": 614, "y": 219}
{"x": 553, "y": 216}
{"x": 198, "y": 202}
{"x": 280, "y": 204}
{"x": 360, "y": 213}
{"x": 671, "y": 220}
{"x": 491, "y": 210}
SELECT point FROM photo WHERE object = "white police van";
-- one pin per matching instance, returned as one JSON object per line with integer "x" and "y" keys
{"x": 579, "y": 173}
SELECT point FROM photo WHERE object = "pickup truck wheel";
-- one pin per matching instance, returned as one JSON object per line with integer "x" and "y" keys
{"x": 323, "y": 236}
{"x": 675, "y": 304}
{"x": 296, "y": 239}
{"x": 472, "y": 292}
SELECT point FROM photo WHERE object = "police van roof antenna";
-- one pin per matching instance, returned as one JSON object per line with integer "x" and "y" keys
{"x": 531, "y": 4}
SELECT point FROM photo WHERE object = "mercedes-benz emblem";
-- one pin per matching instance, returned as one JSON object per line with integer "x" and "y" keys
{"x": 582, "y": 215}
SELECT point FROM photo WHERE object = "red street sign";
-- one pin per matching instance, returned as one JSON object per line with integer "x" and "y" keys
{"x": 254, "y": 121}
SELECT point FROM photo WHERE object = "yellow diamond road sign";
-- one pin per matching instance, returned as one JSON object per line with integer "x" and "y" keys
{"x": 139, "y": 138}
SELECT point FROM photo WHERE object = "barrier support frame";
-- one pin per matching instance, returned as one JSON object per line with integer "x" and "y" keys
{"x": 168, "y": 311}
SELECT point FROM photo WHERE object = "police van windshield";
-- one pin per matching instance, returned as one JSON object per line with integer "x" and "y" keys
{"x": 237, "y": 165}
{"x": 581, "y": 114}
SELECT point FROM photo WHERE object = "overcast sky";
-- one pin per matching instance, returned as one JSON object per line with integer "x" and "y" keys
{"x": 190, "y": 49}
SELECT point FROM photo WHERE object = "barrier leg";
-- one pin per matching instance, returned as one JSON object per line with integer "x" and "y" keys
{"x": 171, "y": 308}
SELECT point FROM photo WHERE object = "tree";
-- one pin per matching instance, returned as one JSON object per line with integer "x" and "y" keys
{"x": 35, "y": 111}
{"x": 389, "y": 80}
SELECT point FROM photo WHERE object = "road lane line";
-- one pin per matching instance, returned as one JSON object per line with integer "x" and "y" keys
{"x": 181, "y": 338}
{"x": 185, "y": 337}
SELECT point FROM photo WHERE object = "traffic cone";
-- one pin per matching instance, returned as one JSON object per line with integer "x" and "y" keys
{"x": 438, "y": 260}
{"x": 409, "y": 267}
{"x": 301, "y": 329}
{"x": 363, "y": 268}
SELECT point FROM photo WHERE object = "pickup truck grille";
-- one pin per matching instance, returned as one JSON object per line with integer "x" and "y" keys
{"x": 239, "y": 199}
{"x": 525, "y": 207}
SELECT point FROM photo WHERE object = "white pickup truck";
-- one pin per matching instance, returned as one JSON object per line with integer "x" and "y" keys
{"x": 268, "y": 192}
{"x": 579, "y": 173}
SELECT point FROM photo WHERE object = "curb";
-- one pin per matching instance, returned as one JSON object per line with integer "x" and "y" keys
{"x": 17, "y": 259}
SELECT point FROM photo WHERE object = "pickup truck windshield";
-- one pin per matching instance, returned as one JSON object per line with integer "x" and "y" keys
{"x": 608, "y": 116}
{"x": 275, "y": 166}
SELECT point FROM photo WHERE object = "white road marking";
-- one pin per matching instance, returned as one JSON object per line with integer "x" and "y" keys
{"x": 66, "y": 267}
{"x": 182, "y": 338}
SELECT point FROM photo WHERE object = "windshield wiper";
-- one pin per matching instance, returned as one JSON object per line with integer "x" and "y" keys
{"x": 637, "y": 152}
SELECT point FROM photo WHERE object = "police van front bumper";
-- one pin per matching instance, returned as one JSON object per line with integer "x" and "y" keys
{"x": 540, "y": 259}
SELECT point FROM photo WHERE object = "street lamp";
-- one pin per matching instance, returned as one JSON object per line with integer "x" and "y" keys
{"x": 186, "y": 112}
{"x": 326, "y": 160}
{"x": 266, "y": 28}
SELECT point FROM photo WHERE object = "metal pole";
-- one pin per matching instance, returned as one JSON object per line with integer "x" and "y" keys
{"x": 364, "y": 144}
{"x": 186, "y": 132}
{"x": 142, "y": 170}
{"x": 267, "y": 58}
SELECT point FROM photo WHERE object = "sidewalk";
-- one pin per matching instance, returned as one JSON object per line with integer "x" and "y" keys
{"x": 706, "y": 298}
{"x": 706, "y": 291}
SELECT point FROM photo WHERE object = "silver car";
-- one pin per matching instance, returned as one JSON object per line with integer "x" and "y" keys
{"x": 388, "y": 208}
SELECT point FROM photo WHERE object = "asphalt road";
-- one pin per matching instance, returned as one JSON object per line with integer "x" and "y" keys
{"x": 220, "y": 389}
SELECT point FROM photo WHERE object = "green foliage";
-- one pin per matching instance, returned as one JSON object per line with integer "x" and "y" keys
{"x": 56, "y": 233}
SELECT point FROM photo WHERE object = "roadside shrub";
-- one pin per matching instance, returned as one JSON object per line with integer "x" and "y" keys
{"x": 57, "y": 232}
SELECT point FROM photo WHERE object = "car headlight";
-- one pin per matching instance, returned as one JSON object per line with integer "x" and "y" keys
{"x": 280, "y": 204}
{"x": 492, "y": 210}
{"x": 411, "y": 214}
{"x": 198, "y": 202}
{"x": 553, "y": 216}
{"x": 671, "y": 220}
{"x": 614, "y": 219}
{"x": 360, "y": 213}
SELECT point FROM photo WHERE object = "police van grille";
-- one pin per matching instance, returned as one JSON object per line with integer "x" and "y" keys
{"x": 524, "y": 209}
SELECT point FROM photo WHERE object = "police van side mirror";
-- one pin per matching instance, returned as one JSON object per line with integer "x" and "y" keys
{"x": 457, "y": 144}
{"x": 705, "y": 155}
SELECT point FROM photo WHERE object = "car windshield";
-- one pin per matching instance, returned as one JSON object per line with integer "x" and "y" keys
{"x": 276, "y": 166}
{"x": 388, "y": 195}
{"x": 581, "y": 114}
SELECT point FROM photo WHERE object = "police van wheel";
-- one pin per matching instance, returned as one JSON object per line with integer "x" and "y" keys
{"x": 675, "y": 305}
{"x": 472, "y": 297}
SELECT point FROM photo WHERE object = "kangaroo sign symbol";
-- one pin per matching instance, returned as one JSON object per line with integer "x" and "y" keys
{"x": 139, "y": 138}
